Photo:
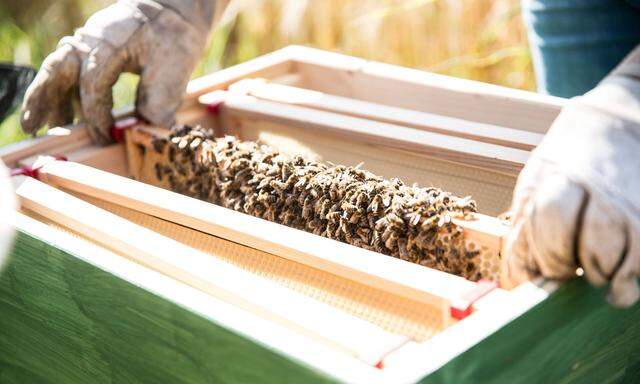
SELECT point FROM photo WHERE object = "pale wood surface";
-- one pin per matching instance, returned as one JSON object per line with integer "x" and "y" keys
{"x": 56, "y": 141}
{"x": 222, "y": 280}
{"x": 392, "y": 85}
{"x": 111, "y": 158}
{"x": 70, "y": 137}
{"x": 275, "y": 64}
{"x": 393, "y": 313}
{"x": 488, "y": 133}
{"x": 463, "y": 151}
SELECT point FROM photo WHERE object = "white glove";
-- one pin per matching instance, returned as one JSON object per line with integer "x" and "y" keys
{"x": 577, "y": 201}
{"x": 7, "y": 207}
{"x": 162, "y": 40}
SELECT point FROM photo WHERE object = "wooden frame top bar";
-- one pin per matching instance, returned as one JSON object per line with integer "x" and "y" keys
{"x": 75, "y": 136}
{"x": 393, "y": 85}
{"x": 426, "y": 285}
{"x": 488, "y": 133}
{"x": 494, "y": 157}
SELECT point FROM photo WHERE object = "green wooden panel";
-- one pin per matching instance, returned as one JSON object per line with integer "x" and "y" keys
{"x": 63, "y": 320}
{"x": 572, "y": 337}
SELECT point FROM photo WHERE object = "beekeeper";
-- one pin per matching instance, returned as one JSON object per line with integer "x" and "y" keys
{"x": 576, "y": 203}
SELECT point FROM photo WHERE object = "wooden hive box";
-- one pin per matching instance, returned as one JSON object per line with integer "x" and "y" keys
{"x": 114, "y": 279}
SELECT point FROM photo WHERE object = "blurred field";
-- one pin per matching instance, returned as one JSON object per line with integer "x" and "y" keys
{"x": 476, "y": 39}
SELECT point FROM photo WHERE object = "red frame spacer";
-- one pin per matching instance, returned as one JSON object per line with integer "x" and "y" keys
{"x": 463, "y": 307}
{"x": 33, "y": 171}
{"x": 215, "y": 100}
{"x": 25, "y": 171}
{"x": 120, "y": 126}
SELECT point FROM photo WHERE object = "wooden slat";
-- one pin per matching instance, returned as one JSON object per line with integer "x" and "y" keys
{"x": 111, "y": 158}
{"x": 54, "y": 140}
{"x": 222, "y": 280}
{"x": 397, "y": 86}
{"x": 57, "y": 140}
{"x": 497, "y": 158}
{"x": 488, "y": 133}
{"x": 392, "y": 313}
{"x": 409, "y": 280}
{"x": 277, "y": 63}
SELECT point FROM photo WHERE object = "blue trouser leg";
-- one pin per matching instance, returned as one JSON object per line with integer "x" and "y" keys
{"x": 575, "y": 43}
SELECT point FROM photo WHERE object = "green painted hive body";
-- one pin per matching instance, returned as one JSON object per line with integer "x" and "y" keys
{"x": 82, "y": 314}
{"x": 64, "y": 320}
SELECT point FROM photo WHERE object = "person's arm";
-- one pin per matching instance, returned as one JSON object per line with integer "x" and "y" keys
{"x": 161, "y": 40}
{"x": 577, "y": 201}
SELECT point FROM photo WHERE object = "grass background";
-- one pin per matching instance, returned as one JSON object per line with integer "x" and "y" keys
{"x": 475, "y": 39}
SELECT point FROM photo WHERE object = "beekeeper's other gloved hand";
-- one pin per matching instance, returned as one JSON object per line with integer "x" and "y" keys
{"x": 577, "y": 201}
{"x": 161, "y": 40}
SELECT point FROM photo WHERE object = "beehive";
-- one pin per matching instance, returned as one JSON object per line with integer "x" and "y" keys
{"x": 170, "y": 288}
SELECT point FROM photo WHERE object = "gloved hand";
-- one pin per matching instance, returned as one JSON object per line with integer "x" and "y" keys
{"x": 577, "y": 201}
{"x": 161, "y": 40}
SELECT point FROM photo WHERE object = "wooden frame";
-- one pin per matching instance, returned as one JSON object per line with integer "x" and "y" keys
{"x": 59, "y": 139}
{"x": 449, "y": 148}
{"x": 412, "y": 281}
{"x": 495, "y": 309}
{"x": 465, "y": 110}
{"x": 342, "y": 76}
{"x": 286, "y": 94}
{"x": 363, "y": 80}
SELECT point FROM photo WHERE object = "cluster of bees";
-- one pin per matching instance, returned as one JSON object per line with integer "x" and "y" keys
{"x": 344, "y": 203}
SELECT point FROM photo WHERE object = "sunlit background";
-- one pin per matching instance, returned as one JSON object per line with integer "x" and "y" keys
{"x": 475, "y": 39}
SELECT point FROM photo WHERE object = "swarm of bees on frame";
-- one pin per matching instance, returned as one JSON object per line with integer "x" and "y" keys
{"x": 344, "y": 203}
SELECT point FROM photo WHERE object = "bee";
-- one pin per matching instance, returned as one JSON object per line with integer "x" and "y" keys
{"x": 172, "y": 154}
{"x": 158, "y": 144}
{"x": 180, "y": 169}
{"x": 355, "y": 217}
{"x": 195, "y": 143}
{"x": 348, "y": 208}
{"x": 158, "y": 171}
{"x": 404, "y": 253}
